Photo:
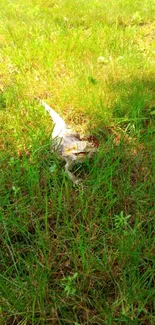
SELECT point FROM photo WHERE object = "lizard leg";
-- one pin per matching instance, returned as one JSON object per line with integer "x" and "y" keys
{"x": 70, "y": 175}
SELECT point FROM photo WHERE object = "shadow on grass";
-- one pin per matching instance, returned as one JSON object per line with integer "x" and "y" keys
{"x": 102, "y": 232}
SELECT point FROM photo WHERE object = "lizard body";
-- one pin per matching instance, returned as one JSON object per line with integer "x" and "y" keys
{"x": 68, "y": 143}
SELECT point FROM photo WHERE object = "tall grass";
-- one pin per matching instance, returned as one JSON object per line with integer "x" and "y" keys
{"x": 77, "y": 255}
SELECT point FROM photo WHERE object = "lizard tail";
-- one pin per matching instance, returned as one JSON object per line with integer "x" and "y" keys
{"x": 55, "y": 116}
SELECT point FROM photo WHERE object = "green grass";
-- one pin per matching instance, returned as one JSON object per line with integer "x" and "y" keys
{"x": 77, "y": 255}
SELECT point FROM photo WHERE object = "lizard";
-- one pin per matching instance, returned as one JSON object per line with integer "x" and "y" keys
{"x": 68, "y": 144}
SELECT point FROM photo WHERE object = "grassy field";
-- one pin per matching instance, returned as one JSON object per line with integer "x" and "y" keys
{"x": 77, "y": 255}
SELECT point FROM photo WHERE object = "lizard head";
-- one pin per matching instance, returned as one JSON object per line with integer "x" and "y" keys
{"x": 79, "y": 151}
